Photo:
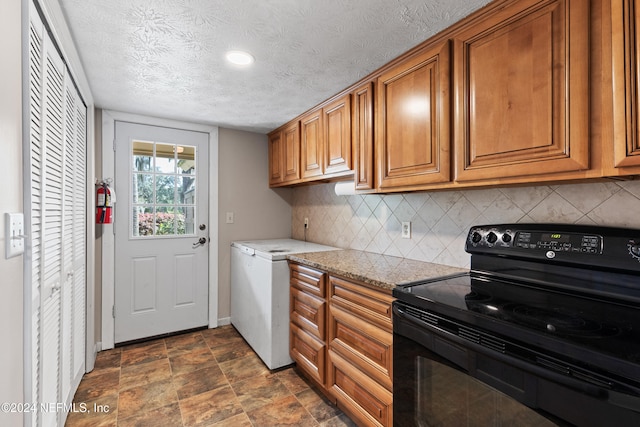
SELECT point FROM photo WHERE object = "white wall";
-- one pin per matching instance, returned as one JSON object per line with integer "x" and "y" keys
{"x": 260, "y": 212}
{"x": 11, "y": 359}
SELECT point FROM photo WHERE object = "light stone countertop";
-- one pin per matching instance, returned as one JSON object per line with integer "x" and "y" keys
{"x": 383, "y": 271}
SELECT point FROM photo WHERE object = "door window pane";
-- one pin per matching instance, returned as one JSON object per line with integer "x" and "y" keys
{"x": 142, "y": 156}
{"x": 186, "y": 160}
{"x": 143, "y": 222}
{"x": 165, "y": 158}
{"x": 163, "y": 187}
{"x": 142, "y": 191}
{"x": 165, "y": 221}
{"x": 186, "y": 190}
{"x": 188, "y": 213}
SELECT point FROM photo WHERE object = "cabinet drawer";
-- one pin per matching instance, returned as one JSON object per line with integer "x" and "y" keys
{"x": 308, "y": 279}
{"x": 372, "y": 305}
{"x": 362, "y": 398}
{"x": 309, "y": 353}
{"x": 308, "y": 312}
{"x": 364, "y": 345}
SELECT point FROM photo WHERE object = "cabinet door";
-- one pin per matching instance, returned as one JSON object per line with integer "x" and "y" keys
{"x": 366, "y": 401}
{"x": 309, "y": 353}
{"x": 626, "y": 54}
{"x": 312, "y": 144}
{"x": 308, "y": 312}
{"x": 276, "y": 153}
{"x": 412, "y": 121}
{"x": 337, "y": 137}
{"x": 291, "y": 152}
{"x": 363, "y": 344}
{"x": 362, "y": 136}
{"x": 309, "y": 280}
{"x": 521, "y": 80}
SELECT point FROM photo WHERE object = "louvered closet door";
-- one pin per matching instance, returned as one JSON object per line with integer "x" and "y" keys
{"x": 73, "y": 241}
{"x": 34, "y": 209}
{"x": 78, "y": 325}
{"x": 57, "y": 226}
{"x": 52, "y": 251}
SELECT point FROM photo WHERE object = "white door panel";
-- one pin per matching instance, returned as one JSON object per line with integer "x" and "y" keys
{"x": 161, "y": 277}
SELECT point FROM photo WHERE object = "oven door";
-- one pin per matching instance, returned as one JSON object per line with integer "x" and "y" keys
{"x": 439, "y": 380}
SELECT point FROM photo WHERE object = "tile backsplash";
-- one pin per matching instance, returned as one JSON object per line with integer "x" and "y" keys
{"x": 440, "y": 220}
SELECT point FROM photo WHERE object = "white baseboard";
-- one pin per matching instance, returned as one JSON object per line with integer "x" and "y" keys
{"x": 224, "y": 321}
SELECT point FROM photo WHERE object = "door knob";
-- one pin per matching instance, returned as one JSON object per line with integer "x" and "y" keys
{"x": 201, "y": 241}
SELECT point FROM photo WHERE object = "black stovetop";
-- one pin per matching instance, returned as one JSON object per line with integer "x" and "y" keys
{"x": 604, "y": 326}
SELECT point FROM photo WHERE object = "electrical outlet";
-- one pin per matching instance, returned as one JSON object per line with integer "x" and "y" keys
{"x": 229, "y": 217}
{"x": 14, "y": 234}
{"x": 306, "y": 223}
{"x": 406, "y": 230}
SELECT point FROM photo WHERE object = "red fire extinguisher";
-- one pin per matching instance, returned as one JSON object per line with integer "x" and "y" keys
{"x": 104, "y": 209}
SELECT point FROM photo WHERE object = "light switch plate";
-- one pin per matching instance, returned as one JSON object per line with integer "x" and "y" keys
{"x": 406, "y": 230}
{"x": 229, "y": 217}
{"x": 14, "y": 234}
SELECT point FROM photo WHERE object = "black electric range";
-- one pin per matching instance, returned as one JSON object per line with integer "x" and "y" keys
{"x": 561, "y": 303}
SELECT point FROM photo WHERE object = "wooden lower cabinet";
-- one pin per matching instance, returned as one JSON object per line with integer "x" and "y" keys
{"x": 360, "y": 351}
{"x": 366, "y": 401}
{"x": 366, "y": 346}
{"x": 309, "y": 353}
{"x": 307, "y": 321}
{"x": 308, "y": 312}
{"x": 341, "y": 338}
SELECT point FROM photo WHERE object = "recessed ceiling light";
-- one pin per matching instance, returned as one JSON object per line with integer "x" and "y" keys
{"x": 239, "y": 57}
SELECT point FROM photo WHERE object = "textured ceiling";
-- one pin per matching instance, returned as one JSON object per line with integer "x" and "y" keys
{"x": 165, "y": 58}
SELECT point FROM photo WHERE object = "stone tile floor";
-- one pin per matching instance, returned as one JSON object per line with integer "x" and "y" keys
{"x": 204, "y": 378}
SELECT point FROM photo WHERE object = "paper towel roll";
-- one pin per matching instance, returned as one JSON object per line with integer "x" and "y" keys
{"x": 345, "y": 188}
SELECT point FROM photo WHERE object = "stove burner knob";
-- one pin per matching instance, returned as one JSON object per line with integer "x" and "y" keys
{"x": 506, "y": 238}
{"x": 476, "y": 237}
{"x": 635, "y": 250}
{"x": 492, "y": 237}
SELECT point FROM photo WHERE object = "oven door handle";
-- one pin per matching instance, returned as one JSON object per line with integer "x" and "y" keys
{"x": 575, "y": 384}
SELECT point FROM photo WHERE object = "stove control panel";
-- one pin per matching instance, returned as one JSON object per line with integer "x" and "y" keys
{"x": 569, "y": 243}
{"x": 559, "y": 242}
{"x": 497, "y": 237}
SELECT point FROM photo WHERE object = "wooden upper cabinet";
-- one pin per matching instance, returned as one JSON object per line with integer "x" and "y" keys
{"x": 362, "y": 136}
{"x": 521, "y": 91}
{"x": 276, "y": 166}
{"x": 413, "y": 121}
{"x": 626, "y": 79}
{"x": 284, "y": 155}
{"x": 337, "y": 136}
{"x": 291, "y": 152}
{"x": 312, "y": 144}
{"x": 326, "y": 140}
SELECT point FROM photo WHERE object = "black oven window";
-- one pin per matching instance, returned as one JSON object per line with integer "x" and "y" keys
{"x": 448, "y": 397}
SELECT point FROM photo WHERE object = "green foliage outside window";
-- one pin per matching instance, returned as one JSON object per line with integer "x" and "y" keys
{"x": 164, "y": 224}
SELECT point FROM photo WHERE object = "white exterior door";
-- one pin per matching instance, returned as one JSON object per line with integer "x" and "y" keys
{"x": 161, "y": 230}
